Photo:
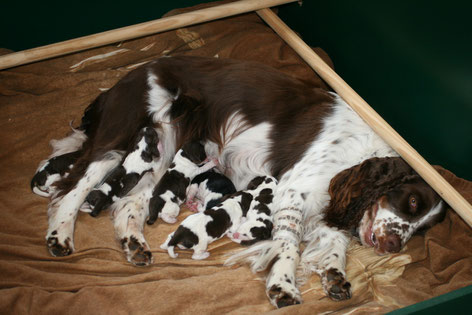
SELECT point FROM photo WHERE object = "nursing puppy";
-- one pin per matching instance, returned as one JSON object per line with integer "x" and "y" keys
{"x": 123, "y": 178}
{"x": 257, "y": 225}
{"x": 51, "y": 171}
{"x": 198, "y": 230}
{"x": 207, "y": 190}
{"x": 171, "y": 190}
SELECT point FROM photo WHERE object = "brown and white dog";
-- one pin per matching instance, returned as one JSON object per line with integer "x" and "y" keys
{"x": 256, "y": 121}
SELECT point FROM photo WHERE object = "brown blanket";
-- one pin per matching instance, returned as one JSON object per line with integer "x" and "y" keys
{"x": 37, "y": 103}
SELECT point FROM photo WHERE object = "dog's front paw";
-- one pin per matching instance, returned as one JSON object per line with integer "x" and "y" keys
{"x": 284, "y": 294}
{"x": 137, "y": 252}
{"x": 59, "y": 248}
{"x": 335, "y": 285}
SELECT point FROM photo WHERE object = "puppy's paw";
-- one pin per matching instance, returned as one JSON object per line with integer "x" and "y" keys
{"x": 284, "y": 294}
{"x": 137, "y": 252}
{"x": 59, "y": 248}
{"x": 335, "y": 285}
{"x": 168, "y": 218}
{"x": 200, "y": 255}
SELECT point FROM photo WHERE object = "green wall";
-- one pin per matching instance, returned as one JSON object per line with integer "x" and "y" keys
{"x": 410, "y": 60}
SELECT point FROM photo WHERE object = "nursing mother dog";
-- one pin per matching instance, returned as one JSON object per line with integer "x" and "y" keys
{"x": 255, "y": 121}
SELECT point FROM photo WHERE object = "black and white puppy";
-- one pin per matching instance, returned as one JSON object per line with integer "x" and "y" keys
{"x": 143, "y": 158}
{"x": 198, "y": 230}
{"x": 257, "y": 225}
{"x": 171, "y": 190}
{"x": 207, "y": 190}
{"x": 51, "y": 171}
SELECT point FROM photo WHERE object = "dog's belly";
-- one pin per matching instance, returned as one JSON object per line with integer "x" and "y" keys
{"x": 244, "y": 155}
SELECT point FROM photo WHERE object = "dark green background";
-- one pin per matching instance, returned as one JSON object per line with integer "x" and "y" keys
{"x": 410, "y": 60}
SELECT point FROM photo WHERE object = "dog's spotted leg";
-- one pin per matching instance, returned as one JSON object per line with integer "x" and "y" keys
{"x": 129, "y": 215}
{"x": 281, "y": 254}
{"x": 281, "y": 282}
{"x": 325, "y": 254}
{"x": 63, "y": 210}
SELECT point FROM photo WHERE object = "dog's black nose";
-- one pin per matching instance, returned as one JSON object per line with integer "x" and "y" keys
{"x": 393, "y": 243}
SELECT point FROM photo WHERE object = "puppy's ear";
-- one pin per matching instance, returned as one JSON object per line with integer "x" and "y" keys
{"x": 194, "y": 151}
{"x": 255, "y": 182}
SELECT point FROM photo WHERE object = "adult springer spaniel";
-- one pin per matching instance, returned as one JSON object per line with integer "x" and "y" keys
{"x": 256, "y": 121}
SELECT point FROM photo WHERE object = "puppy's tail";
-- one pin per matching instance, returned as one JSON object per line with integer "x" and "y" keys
{"x": 170, "y": 249}
{"x": 259, "y": 256}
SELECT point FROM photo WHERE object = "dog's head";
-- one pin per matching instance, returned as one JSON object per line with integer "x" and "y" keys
{"x": 384, "y": 202}
{"x": 390, "y": 222}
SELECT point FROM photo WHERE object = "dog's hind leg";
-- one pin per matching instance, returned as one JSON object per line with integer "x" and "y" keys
{"x": 63, "y": 209}
{"x": 129, "y": 215}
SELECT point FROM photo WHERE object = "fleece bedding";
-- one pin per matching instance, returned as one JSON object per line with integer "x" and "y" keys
{"x": 37, "y": 104}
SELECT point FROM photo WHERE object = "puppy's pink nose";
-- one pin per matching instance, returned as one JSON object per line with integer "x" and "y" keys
{"x": 236, "y": 235}
{"x": 393, "y": 243}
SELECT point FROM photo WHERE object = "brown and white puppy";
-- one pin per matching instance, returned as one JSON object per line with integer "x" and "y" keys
{"x": 257, "y": 224}
{"x": 171, "y": 190}
{"x": 142, "y": 159}
{"x": 198, "y": 230}
{"x": 208, "y": 190}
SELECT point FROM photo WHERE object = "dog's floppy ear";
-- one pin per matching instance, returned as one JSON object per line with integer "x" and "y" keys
{"x": 355, "y": 189}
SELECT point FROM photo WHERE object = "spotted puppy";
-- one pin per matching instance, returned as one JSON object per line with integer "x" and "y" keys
{"x": 51, "y": 171}
{"x": 207, "y": 190}
{"x": 257, "y": 225}
{"x": 198, "y": 230}
{"x": 170, "y": 192}
{"x": 143, "y": 158}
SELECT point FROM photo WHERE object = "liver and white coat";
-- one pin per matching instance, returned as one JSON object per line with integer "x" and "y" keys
{"x": 256, "y": 121}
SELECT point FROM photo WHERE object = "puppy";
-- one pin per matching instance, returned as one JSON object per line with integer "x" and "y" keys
{"x": 51, "y": 171}
{"x": 143, "y": 158}
{"x": 171, "y": 190}
{"x": 257, "y": 225}
{"x": 207, "y": 190}
{"x": 202, "y": 228}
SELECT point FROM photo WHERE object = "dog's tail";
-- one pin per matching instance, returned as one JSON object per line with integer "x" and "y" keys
{"x": 260, "y": 256}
